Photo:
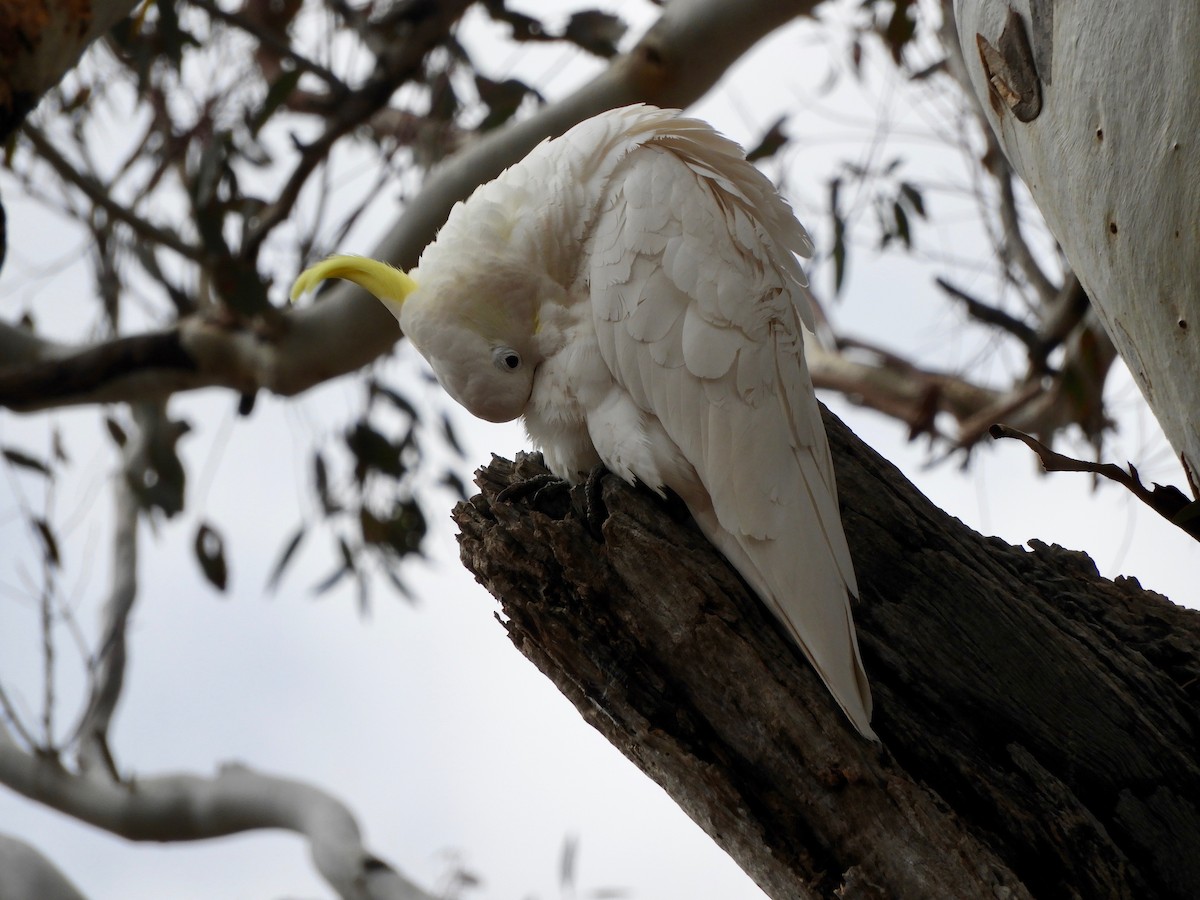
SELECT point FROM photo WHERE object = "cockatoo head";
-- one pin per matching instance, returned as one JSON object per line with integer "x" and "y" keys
{"x": 476, "y": 332}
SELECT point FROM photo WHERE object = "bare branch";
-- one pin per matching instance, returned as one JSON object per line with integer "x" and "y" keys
{"x": 1016, "y": 693}
{"x": 108, "y": 664}
{"x": 13, "y": 717}
{"x": 28, "y": 875}
{"x": 188, "y": 808}
{"x": 974, "y": 428}
{"x": 990, "y": 315}
{"x": 1060, "y": 317}
{"x": 896, "y": 387}
{"x": 46, "y": 604}
{"x": 1014, "y": 239}
{"x": 427, "y": 26}
{"x": 274, "y": 43}
{"x": 1168, "y": 501}
{"x": 60, "y": 375}
{"x": 100, "y": 196}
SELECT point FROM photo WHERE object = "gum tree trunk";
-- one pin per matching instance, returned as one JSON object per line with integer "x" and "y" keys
{"x": 1095, "y": 106}
{"x": 1039, "y": 722}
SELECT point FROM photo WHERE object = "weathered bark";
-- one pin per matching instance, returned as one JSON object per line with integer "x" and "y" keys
{"x": 40, "y": 40}
{"x": 1038, "y": 721}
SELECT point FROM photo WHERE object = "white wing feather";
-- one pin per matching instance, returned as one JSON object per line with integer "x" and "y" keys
{"x": 697, "y": 304}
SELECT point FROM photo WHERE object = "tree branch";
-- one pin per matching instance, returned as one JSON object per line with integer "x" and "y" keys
{"x": 99, "y": 195}
{"x": 108, "y": 664}
{"x": 43, "y": 39}
{"x": 896, "y": 387}
{"x": 1015, "y": 244}
{"x": 676, "y": 62}
{"x": 1038, "y": 721}
{"x": 1168, "y": 501}
{"x": 991, "y": 315}
{"x": 188, "y": 808}
{"x": 428, "y": 26}
{"x": 28, "y": 875}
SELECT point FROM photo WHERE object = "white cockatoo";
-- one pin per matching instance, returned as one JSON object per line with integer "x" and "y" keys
{"x": 631, "y": 290}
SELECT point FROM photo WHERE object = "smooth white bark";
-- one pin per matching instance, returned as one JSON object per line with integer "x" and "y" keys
{"x": 189, "y": 807}
{"x": 1113, "y": 161}
{"x": 25, "y": 874}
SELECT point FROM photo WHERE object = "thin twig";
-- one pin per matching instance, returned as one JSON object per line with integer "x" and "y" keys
{"x": 1060, "y": 317}
{"x": 47, "y": 623}
{"x": 972, "y": 429}
{"x": 10, "y": 713}
{"x": 991, "y": 315}
{"x": 393, "y": 70}
{"x": 107, "y": 672}
{"x": 100, "y": 196}
{"x": 1015, "y": 240}
{"x": 273, "y": 43}
{"x": 1168, "y": 501}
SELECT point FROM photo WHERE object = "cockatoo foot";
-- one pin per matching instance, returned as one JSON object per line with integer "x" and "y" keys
{"x": 594, "y": 509}
{"x": 546, "y": 489}
{"x": 538, "y": 487}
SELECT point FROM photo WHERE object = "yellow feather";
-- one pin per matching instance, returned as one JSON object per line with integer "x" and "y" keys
{"x": 384, "y": 281}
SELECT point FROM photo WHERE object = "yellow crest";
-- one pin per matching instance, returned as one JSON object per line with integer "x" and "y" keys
{"x": 386, "y": 282}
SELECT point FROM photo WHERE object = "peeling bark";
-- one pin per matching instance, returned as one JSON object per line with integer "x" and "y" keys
{"x": 40, "y": 40}
{"x": 1038, "y": 721}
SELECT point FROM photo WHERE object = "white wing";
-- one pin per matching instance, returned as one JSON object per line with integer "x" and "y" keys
{"x": 697, "y": 304}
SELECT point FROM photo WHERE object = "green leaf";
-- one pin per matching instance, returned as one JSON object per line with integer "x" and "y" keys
{"x": 597, "y": 32}
{"x": 210, "y": 553}
{"x": 375, "y": 389}
{"x": 911, "y": 194}
{"x": 49, "y": 543}
{"x": 502, "y": 99}
{"x": 173, "y": 38}
{"x": 902, "y": 230}
{"x": 373, "y": 452}
{"x": 401, "y": 588}
{"x": 329, "y": 582}
{"x": 329, "y": 506}
{"x": 771, "y": 142}
{"x": 346, "y": 568}
{"x": 451, "y": 480}
{"x": 443, "y": 100}
{"x": 285, "y": 557}
{"x": 566, "y": 863}
{"x": 278, "y": 93}
{"x": 450, "y": 436}
{"x": 58, "y": 448}
{"x": 839, "y": 235}
{"x": 900, "y": 28}
{"x": 23, "y": 460}
{"x": 400, "y": 531}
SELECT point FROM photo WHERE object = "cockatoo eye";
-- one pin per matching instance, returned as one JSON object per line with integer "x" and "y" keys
{"x": 506, "y": 359}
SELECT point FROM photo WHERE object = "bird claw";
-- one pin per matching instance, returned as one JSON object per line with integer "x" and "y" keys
{"x": 547, "y": 487}
{"x": 594, "y": 509}
{"x": 539, "y": 487}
